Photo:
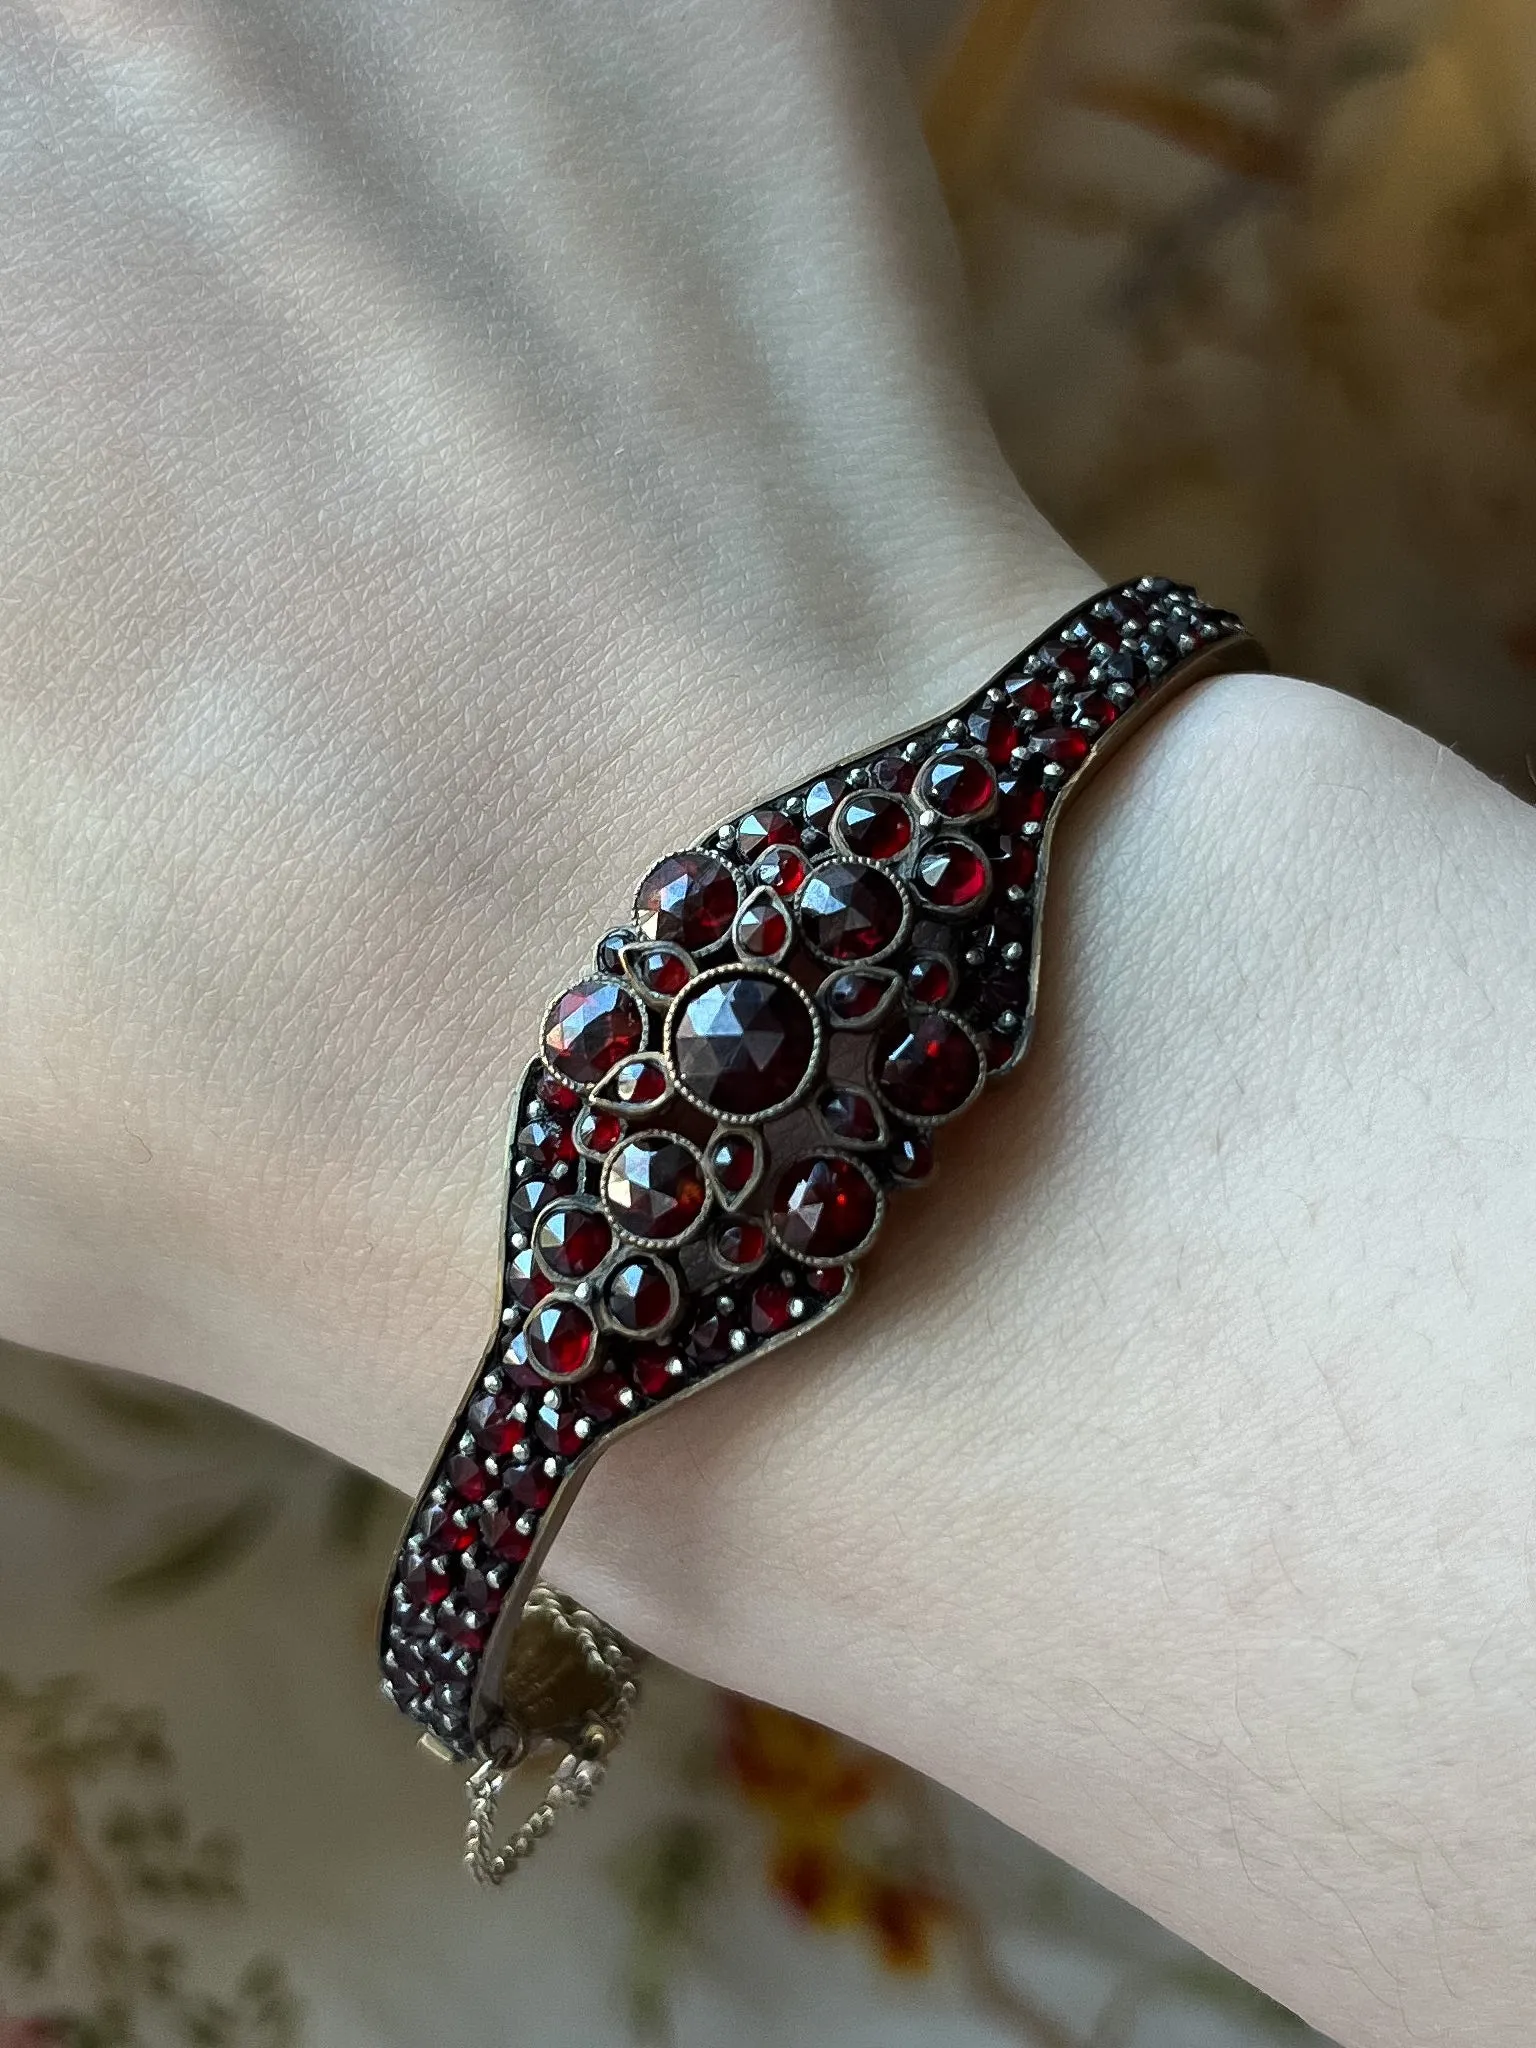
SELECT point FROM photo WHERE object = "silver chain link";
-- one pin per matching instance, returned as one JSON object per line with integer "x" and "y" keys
{"x": 576, "y": 1777}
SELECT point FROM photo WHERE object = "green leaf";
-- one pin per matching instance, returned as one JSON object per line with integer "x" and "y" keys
{"x": 189, "y": 1553}
{"x": 37, "y": 1455}
{"x": 137, "y": 1404}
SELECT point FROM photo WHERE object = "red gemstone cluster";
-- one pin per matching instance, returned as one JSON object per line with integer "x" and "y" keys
{"x": 705, "y": 1145}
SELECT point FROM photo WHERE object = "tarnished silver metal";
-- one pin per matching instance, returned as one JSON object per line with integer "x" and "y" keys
{"x": 572, "y": 1684}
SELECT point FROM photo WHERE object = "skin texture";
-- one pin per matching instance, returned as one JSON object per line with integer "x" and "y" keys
{"x": 451, "y": 456}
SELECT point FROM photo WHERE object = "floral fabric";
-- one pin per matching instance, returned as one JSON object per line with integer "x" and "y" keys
{"x": 212, "y": 1836}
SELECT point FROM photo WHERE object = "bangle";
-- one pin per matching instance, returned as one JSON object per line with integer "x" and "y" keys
{"x": 703, "y": 1149}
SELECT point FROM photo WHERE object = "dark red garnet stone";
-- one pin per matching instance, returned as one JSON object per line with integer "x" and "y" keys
{"x": 823, "y": 1208}
{"x": 925, "y": 1065}
{"x": 743, "y": 1044}
{"x": 688, "y": 899}
{"x": 654, "y": 1187}
{"x": 594, "y": 1024}
{"x": 850, "y": 912}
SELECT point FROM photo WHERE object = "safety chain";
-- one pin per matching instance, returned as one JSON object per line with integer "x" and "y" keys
{"x": 576, "y": 1777}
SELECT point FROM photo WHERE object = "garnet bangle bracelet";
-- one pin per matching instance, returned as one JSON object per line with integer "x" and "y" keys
{"x": 703, "y": 1149}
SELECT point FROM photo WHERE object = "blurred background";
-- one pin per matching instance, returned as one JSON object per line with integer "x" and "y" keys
{"x": 1255, "y": 300}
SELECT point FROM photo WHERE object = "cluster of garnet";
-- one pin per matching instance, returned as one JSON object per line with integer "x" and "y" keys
{"x": 705, "y": 1145}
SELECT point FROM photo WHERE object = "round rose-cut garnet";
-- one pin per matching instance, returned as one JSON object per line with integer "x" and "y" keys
{"x": 560, "y": 1336}
{"x": 762, "y": 928}
{"x": 466, "y": 1473}
{"x": 526, "y": 1285}
{"x": 743, "y": 1044}
{"x": 507, "y": 1530}
{"x": 517, "y": 1365}
{"x": 596, "y": 1023}
{"x": 893, "y": 773}
{"x": 564, "y": 1428}
{"x": 443, "y": 1528}
{"x": 953, "y": 875}
{"x": 827, "y": 1282}
{"x": 824, "y": 1208}
{"x": 572, "y": 1239}
{"x": 769, "y": 1311}
{"x": 926, "y": 1065}
{"x": 657, "y": 1372}
{"x": 1096, "y": 709}
{"x": 761, "y": 829}
{"x": 606, "y": 1396}
{"x": 1022, "y": 799}
{"x": 426, "y": 1579}
{"x": 708, "y": 1342}
{"x": 533, "y": 1488}
{"x": 1018, "y": 862}
{"x": 1030, "y": 693}
{"x": 639, "y": 1296}
{"x": 1060, "y": 744}
{"x": 688, "y": 899}
{"x": 873, "y": 824}
{"x": 782, "y": 869}
{"x": 557, "y": 1095}
{"x": 483, "y": 1585}
{"x": 545, "y": 1141}
{"x": 821, "y": 800}
{"x": 850, "y": 912}
{"x": 957, "y": 785}
{"x": 610, "y": 951}
{"x": 495, "y": 1422}
{"x": 654, "y": 1187}
{"x": 599, "y": 1130}
{"x": 466, "y": 1633}
{"x": 528, "y": 1198}
{"x": 994, "y": 730}
{"x": 931, "y": 979}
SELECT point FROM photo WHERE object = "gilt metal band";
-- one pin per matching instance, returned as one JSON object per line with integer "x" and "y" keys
{"x": 721, "y": 1106}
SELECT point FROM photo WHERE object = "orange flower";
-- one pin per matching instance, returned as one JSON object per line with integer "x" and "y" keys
{"x": 793, "y": 1768}
{"x": 903, "y": 1920}
{"x": 816, "y": 1879}
{"x": 808, "y": 1782}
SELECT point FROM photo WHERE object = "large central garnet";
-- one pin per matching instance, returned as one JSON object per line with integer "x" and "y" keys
{"x": 743, "y": 1044}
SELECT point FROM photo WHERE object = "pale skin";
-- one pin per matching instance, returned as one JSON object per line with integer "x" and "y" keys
{"x": 451, "y": 458}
